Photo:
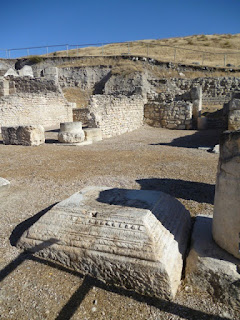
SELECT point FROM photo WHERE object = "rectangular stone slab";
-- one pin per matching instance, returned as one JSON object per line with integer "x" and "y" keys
{"x": 132, "y": 238}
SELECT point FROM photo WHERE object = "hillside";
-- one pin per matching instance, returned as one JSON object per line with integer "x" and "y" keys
{"x": 211, "y": 50}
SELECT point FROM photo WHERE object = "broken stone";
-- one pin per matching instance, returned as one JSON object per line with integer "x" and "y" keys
{"x": 71, "y": 132}
{"x": 226, "y": 217}
{"x": 136, "y": 239}
{"x": 209, "y": 268}
{"x": 26, "y": 71}
{"x": 234, "y": 114}
{"x": 4, "y": 185}
{"x": 93, "y": 134}
{"x": 29, "y": 135}
{"x": 11, "y": 72}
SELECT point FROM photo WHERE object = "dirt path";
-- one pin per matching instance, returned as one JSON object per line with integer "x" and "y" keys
{"x": 147, "y": 158}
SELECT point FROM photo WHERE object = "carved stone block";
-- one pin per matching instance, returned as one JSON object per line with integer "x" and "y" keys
{"x": 132, "y": 238}
{"x": 29, "y": 135}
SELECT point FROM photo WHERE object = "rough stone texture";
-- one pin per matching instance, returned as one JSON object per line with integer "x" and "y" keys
{"x": 71, "y": 132}
{"x": 26, "y": 71}
{"x": 4, "y": 185}
{"x": 33, "y": 101}
{"x": 210, "y": 268}
{"x": 173, "y": 115}
{"x": 84, "y": 77}
{"x": 81, "y": 114}
{"x": 93, "y": 134}
{"x": 11, "y": 72}
{"x": 50, "y": 73}
{"x": 196, "y": 96}
{"x": 234, "y": 115}
{"x": 31, "y": 135}
{"x": 4, "y": 88}
{"x": 115, "y": 115}
{"x": 132, "y": 238}
{"x": 226, "y": 218}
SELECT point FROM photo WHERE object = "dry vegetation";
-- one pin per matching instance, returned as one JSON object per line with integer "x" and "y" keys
{"x": 183, "y": 49}
{"x": 125, "y": 67}
{"x": 80, "y": 97}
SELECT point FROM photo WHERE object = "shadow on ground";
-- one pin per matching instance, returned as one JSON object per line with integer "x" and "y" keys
{"x": 189, "y": 190}
{"x": 205, "y": 138}
{"x": 177, "y": 188}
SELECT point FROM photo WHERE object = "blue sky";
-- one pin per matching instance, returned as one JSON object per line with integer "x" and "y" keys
{"x": 45, "y": 22}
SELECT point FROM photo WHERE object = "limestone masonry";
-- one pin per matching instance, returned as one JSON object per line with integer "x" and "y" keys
{"x": 226, "y": 218}
{"x": 123, "y": 237}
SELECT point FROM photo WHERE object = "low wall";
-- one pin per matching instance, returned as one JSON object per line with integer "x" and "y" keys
{"x": 175, "y": 115}
{"x": 115, "y": 115}
{"x": 33, "y": 102}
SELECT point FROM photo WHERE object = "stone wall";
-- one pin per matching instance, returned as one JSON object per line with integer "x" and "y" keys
{"x": 33, "y": 101}
{"x": 81, "y": 114}
{"x": 115, "y": 115}
{"x": 174, "y": 115}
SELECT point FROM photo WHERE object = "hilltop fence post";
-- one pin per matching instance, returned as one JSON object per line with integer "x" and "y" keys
{"x": 7, "y": 54}
{"x": 175, "y": 53}
{"x": 128, "y": 49}
{"x": 202, "y": 58}
{"x": 102, "y": 50}
{"x": 67, "y": 49}
{"x": 147, "y": 50}
{"x": 225, "y": 58}
{"x": 47, "y": 50}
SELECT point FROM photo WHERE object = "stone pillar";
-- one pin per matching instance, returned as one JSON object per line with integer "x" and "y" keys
{"x": 226, "y": 218}
{"x": 4, "y": 88}
{"x": 71, "y": 132}
{"x": 196, "y": 97}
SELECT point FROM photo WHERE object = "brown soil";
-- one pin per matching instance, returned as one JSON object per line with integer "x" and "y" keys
{"x": 148, "y": 158}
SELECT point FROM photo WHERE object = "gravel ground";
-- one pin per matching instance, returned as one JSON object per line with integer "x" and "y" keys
{"x": 148, "y": 158}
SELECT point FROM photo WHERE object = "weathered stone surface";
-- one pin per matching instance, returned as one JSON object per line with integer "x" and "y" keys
{"x": 132, "y": 238}
{"x": 226, "y": 218}
{"x": 71, "y": 132}
{"x": 4, "y": 185}
{"x": 26, "y": 71}
{"x": 11, "y": 72}
{"x": 196, "y": 95}
{"x": 29, "y": 135}
{"x": 234, "y": 114}
{"x": 211, "y": 269}
{"x": 93, "y": 134}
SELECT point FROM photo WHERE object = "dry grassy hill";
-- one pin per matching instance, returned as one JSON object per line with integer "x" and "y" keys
{"x": 210, "y": 50}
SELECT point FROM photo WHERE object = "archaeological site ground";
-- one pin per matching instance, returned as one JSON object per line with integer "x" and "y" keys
{"x": 120, "y": 182}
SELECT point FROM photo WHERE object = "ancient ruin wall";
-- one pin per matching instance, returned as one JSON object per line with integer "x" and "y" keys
{"x": 34, "y": 102}
{"x": 115, "y": 115}
{"x": 175, "y": 115}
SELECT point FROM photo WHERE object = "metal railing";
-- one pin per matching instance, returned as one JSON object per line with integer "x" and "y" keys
{"x": 134, "y": 48}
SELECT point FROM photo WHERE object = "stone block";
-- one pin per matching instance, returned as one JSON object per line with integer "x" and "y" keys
{"x": 234, "y": 114}
{"x": 11, "y": 72}
{"x": 4, "y": 185}
{"x": 93, "y": 134}
{"x": 26, "y": 71}
{"x": 211, "y": 269}
{"x": 135, "y": 239}
{"x": 71, "y": 132}
{"x": 29, "y": 135}
{"x": 226, "y": 217}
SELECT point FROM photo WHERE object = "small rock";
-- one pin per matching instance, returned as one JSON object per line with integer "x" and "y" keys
{"x": 94, "y": 309}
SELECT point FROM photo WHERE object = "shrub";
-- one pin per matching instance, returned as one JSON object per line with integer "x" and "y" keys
{"x": 35, "y": 59}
